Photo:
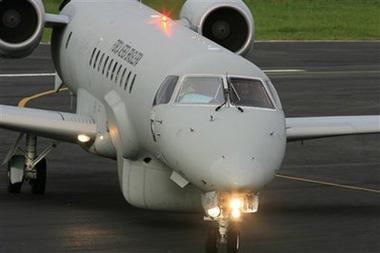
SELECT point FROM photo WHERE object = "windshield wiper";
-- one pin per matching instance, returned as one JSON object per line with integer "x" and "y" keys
{"x": 232, "y": 90}
{"x": 226, "y": 98}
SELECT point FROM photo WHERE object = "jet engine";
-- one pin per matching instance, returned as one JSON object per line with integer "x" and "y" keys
{"x": 21, "y": 27}
{"x": 228, "y": 23}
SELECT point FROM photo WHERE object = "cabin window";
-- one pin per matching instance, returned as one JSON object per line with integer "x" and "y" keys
{"x": 122, "y": 76}
{"x": 114, "y": 70}
{"x": 127, "y": 81}
{"x": 118, "y": 73}
{"x": 100, "y": 62}
{"x": 68, "y": 40}
{"x": 96, "y": 59}
{"x": 92, "y": 56}
{"x": 166, "y": 90}
{"x": 132, "y": 83}
{"x": 109, "y": 68}
{"x": 201, "y": 90}
{"x": 249, "y": 92}
{"x": 105, "y": 64}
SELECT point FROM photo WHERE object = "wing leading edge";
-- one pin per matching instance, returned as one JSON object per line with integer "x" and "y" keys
{"x": 321, "y": 127}
{"x": 50, "y": 124}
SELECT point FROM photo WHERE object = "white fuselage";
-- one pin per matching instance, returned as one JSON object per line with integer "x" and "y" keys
{"x": 115, "y": 57}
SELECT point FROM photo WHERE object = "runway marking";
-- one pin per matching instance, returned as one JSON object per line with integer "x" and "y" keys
{"x": 283, "y": 70}
{"x": 317, "y": 41}
{"x": 306, "y": 180}
{"x": 24, "y": 102}
{"x": 28, "y": 75}
{"x": 344, "y": 72}
{"x": 329, "y": 165}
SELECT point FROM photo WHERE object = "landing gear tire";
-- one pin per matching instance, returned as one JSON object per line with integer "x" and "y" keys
{"x": 233, "y": 239}
{"x": 16, "y": 174}
{"x": 39, "y": 183}
{"x": 212, "y": 239}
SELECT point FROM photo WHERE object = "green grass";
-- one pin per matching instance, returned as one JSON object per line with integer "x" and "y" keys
{"x": 296, "y": 19}
{"x": 317, "y": 19}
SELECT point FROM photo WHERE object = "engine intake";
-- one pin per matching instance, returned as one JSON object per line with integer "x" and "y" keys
{"x": 228, "y": 23}
{"x": 21, "y": 27}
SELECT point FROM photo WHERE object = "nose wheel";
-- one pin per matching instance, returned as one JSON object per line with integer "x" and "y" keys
{"x": 226, "y": 212}
{"x": 222, "y": 238}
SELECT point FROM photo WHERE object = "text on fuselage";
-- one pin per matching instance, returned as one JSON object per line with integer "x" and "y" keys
{"x": 126, "y": 52}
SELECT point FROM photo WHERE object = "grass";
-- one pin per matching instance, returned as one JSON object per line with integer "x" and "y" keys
{"x": 296, "y": 19}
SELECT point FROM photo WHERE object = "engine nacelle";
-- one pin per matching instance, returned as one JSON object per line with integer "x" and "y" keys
{"x": 228, "y": 23}
{"x": 21, "y": 26}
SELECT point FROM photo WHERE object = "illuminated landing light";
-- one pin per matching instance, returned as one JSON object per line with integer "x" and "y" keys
{"x": 236, "y": 213}
{"x": 236, "y": 204}
{"x": 84, "y": 138}
{"x": 214, "y": 212}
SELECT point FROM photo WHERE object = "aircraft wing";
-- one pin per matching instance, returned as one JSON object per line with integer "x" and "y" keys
{"x": 321, "y": 127}
{"x": 50, "y": 124}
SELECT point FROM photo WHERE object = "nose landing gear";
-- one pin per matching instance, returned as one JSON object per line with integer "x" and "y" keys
{"x": 27, "y": 167}
{"x": 223, "y": 237}
{"x": 226, "y": 211}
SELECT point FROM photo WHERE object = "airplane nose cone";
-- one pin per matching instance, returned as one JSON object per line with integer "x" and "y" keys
{"x": 239, "y": 171}
{"x": 231, "y": 151}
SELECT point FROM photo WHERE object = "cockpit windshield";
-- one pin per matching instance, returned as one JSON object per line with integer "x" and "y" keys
{"x": 249, "y": 92}
{"x": 214, "y": 90}
{"x": 201, "y": 90}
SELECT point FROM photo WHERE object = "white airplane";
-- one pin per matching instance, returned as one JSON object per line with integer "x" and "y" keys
{"x": 192, "y": 124}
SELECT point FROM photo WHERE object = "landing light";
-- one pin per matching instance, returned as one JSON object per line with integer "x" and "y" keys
{"x": 84, "y": 138}
{"x": 236, "y": 204}
{"x": 214, "y": 212}
{"x": 236, "y": 213}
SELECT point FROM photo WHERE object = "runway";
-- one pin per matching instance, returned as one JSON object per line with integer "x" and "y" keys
{"x": 84, "y": 210}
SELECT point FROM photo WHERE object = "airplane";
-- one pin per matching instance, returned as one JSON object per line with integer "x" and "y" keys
{"x": 192, "y": 124}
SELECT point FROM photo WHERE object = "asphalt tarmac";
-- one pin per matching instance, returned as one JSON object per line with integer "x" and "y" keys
{"x": 84, "y": 211}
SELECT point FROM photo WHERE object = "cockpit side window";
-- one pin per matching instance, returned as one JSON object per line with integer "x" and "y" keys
{"x": 274, "y": 94}
{"x": 166, "y": 90}
{"x": 249, "y": 92}
{"x": 201, "y": 90}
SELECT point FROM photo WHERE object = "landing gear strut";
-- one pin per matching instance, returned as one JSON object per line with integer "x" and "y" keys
{"x": 222, "y": 238}
{"x": 226, "y": 211}
{"x": 27, "y": 167}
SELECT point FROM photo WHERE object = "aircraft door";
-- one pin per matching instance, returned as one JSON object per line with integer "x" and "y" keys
{"x": 161, "y": 105}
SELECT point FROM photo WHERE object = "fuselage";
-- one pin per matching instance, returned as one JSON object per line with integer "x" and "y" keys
{"x": 120, "y": 52}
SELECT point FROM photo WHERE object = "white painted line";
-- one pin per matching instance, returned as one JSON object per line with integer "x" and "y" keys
{"x": 317, "y": 41}
{"x": 28, "y": 75}
{"x": 283, "y": 70}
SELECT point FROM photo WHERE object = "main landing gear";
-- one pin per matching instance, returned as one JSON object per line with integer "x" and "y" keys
{"x": 27, "y": 167}
{"x": 225, "y": 212}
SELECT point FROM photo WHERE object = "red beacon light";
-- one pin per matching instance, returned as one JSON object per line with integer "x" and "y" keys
{"x": 163, "y": 21}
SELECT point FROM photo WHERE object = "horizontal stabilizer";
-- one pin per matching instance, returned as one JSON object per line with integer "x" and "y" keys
{"x": 54, "y": 20}
{"x": 50, "y": 124}
{"x": 320, "y": 127}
